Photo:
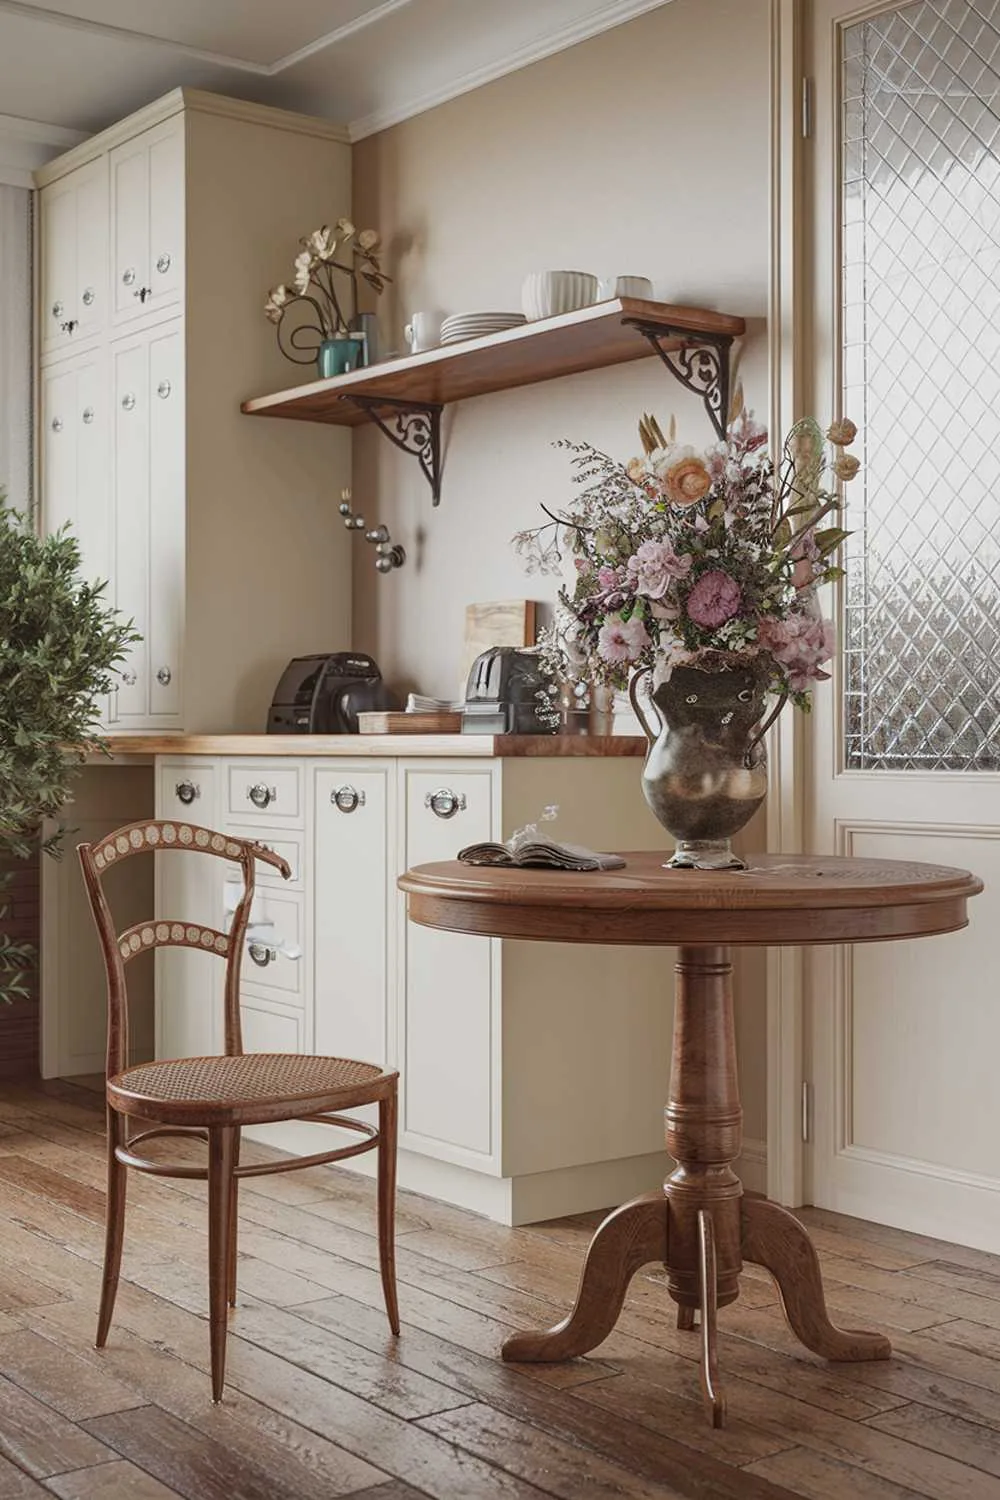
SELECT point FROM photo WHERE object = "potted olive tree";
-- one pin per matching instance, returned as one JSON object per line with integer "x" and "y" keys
{"x": 59, "y": 641}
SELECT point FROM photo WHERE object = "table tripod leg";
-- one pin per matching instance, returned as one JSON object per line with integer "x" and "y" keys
{"x": 628, "y": 1239}
{"x": 774, "y": 1238}
{"x": 685, "y": 1317}
{"x": 715, "y": 1402}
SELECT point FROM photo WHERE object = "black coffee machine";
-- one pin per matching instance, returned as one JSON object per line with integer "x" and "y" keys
{"x": 324, "y": 694}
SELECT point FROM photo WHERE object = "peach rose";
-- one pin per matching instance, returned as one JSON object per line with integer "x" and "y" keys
{"x": 846, "y": 466}
{"x": 687, "y": 481}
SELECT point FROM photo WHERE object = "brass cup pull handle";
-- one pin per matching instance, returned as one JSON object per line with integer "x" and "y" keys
{"x": 445, "y": 803}
{"x": 186, "y": 792}
{"x": 261, "y": 795}
{"x": 348, "y": 799}
{"x": 261, "y": 954}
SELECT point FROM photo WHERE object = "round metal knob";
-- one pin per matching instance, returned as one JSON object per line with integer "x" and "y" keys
{"x": 89, "y": 296}
{"x": 163, "y": 389}
{"x": 445, "y": 803}
{"x": 58, "y": 309}
{"x": 88, "y": 414}
{"x": 347, "y": 799}
{"x": 128, "y": 276}
{"x": 186, "y": 792}
{"x": 261, "y": 795}
{"x": 57, "y": 424}
{"x": 129, "y": 677}
{"x": 128, "y": 402}
{"x": 261, "y": 954}
{"x": 163, "y": 676}
{"x": 163, "y": 264}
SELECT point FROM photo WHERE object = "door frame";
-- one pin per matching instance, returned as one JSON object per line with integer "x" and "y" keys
{"x": 788, "y": 742}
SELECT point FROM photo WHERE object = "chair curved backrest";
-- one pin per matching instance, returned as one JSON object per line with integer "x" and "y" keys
{"x": 164, "y": 836}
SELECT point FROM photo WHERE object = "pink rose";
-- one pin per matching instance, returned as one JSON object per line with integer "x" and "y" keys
{"x": 622, "y": 640}
{"x": 608, "y": 577}
{"x": 714, "y": 599}
{"x": 800, "y": 643}
{"x": 654, "y": 566}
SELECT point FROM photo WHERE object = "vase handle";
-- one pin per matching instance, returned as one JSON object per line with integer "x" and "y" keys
{"x": 772, "y": 716}
{"x": 633, "y": 698}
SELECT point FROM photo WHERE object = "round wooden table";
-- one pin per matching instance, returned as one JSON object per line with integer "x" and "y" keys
{"x": 699, "y": 1225}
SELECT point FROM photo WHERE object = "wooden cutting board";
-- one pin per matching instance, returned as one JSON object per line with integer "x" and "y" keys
{"x": 508, "y": 623}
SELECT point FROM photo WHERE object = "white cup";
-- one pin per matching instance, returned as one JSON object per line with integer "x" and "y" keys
{"x": 423, "y": 331}
{"x": 625, "y": 286}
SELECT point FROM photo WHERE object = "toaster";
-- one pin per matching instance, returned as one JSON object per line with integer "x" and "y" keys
{"x": 324, "y": 694}
{"x": 507, "y": 693}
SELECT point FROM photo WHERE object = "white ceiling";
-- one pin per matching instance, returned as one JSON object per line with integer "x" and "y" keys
{"x": 82, "y": 64}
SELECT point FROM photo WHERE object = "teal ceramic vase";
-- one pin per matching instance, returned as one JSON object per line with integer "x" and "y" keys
{"x": 337, "y": 356}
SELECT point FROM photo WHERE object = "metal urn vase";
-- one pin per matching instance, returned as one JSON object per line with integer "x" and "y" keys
{"x": 706, "y": 767}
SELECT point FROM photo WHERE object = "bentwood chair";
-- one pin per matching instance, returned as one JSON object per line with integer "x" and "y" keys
{"x": 213, "y": 1097}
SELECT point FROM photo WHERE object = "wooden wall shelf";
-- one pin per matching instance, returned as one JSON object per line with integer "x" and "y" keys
{"x": 405, "y": 396}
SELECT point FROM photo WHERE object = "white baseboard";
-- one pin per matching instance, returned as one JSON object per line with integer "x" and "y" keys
{"x": 516, "y": 1200}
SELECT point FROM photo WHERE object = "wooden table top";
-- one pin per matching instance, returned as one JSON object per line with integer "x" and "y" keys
{"x": 779, "y": 899}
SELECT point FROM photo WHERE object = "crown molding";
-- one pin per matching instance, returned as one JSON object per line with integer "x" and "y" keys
{"x": 68, "y": 22}
{"x": 192, "y": 101}
{"x": 25, "y": 145}
{"x": 38, "y": 132}
{"x": 603, "y": 18}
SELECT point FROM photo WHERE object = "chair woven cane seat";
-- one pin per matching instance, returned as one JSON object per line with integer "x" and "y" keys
{"x": 253, "y": 1086}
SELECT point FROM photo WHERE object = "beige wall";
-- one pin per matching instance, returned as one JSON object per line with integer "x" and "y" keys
{"x": 643, "y": 151}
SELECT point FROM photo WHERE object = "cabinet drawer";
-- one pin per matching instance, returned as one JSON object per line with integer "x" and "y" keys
{"x": 274, "y": 945}
{"x": 265, "y": 791}
{"x": 270, "y": 1030}
{"x": 445, "y": 810}
{"x": 186, "y": 791}
{"x": 283, "y": 842}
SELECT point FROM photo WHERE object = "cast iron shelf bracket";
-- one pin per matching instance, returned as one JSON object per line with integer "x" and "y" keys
{"x": 414, "y": 427}
{"x": 701, "y": 364}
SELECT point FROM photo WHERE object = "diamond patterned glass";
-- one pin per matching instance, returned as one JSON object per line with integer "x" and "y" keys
{"x": 921, "y": 359}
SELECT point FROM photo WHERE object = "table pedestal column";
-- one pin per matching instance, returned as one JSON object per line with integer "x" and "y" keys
{"x": 699, "y": 1225}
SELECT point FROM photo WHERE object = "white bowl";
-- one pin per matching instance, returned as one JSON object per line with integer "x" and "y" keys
{"x": 546, "y": 294}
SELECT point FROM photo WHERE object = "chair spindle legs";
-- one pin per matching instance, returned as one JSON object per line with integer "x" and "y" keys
{"x": 114, "y": 1233}
{"x": 234, "y": 1225}
{"x": 387, "y": 1205}
{"x": 221, "y": 1153}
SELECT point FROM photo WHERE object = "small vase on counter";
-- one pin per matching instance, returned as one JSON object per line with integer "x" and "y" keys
{"x": 337, "y": 356}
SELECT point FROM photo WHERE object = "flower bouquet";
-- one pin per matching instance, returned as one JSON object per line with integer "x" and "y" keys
{"x": 314, "y": 290}
{"x": 699, "y": 572}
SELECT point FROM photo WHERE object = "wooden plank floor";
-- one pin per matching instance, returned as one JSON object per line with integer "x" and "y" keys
{"x": 321, "y": 1401}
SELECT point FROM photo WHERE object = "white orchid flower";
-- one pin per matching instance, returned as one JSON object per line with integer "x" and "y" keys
{"x": 345, "y": 229}
{"x": 277, "y": 300}
{"x": 304, "y": 264}
{"x": 368, "y": 240}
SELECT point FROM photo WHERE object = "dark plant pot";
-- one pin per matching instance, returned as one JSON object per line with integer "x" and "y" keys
{"x": 337, "y": 356}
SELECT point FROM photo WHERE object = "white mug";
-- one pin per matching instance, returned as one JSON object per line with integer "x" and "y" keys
{"x": 625, "y": 286}
{"x": 423, "y": 331}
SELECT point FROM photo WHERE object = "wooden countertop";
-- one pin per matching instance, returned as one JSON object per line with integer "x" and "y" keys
{"x": 355, "y": 746}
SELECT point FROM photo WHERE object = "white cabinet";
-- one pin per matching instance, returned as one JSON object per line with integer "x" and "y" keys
{"x": 502, "y": 1047}
{"x": 222, "y": 548}
{"x": 189, "y": 983}
{"x": 147, "y": 398}
{"x": 353, "y": 910}
{"x": 74, "y": 258}
{"x": 75, "y": 420}
{"x": 147, "y": 223}
{"x": 447, "y": 1018}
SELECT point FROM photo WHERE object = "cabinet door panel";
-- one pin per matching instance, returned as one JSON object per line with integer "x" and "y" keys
{"x": 60, "y": 445}
{"x": 58, "y": 263}
{"x": 130, "y": 404}
{"x": 189, "y": 887}
{"x": 266, "y": 1030}
{"x": 166, "y": 214}
{"x": 90, "y": 286}
{"x": 447, "y": 1063}
{"x": 166, "y": 520}
{"x": 129, "y": 228}
{"x": 350, "y": 912}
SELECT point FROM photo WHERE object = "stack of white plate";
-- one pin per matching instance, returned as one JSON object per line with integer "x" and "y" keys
{"x": 477, "y": 325}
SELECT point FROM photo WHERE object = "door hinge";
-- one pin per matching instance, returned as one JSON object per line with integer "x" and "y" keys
{"x": 806, "y": 1110}
{"x": 807, "y": 108}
